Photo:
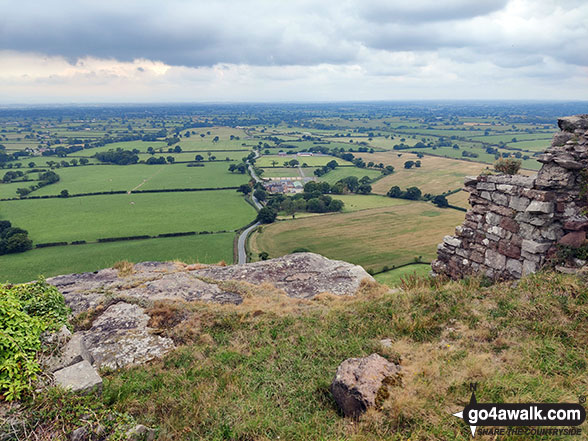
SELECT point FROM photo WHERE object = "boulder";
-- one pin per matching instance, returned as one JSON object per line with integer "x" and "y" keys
{"x": 120, "y": 337}
{"x": 141, "y": 433}
{"x": 79, "y": 378}
{"x": 73, "y": 352}
{"x": 360, "y": 382}
{"x": 300, "y": 275}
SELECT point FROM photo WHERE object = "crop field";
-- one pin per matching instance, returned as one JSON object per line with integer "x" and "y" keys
{"x": 312, "y": 161}
{"x": 92, "y": 217}
{"x": 436, "y": 175}
{"x": 355, "y": 202}
{"x": 537, "y": 145}
{"x": 372, "y": 238}
{"x": 206, "y": 248}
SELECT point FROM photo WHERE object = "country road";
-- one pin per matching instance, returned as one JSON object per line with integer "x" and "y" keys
{"x": 241, "y": 253}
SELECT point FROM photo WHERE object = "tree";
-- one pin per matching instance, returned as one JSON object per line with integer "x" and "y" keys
{"x": 408, "y": 164}
{"x": 178, "y": 149}
{"x": 64, "y": 194}
{"x": 364, "y": 189}
{"x": 232, "y": 168}
{"x": 260, "y": 195}
{"x": 170, "y": 159}
{"x": 244, "y": 188}
{"x": 440, "y": 201}
{"x": 22, "y": 192}
{"x": 215, "y": 139}
{"x": 199, "y": 158}
{"x": 394, "y": 192}
{"x": 84, "y": 161}
{"x": 263, "y": 255}
{"x": 412, "y": 193}
{"x": 266, "y": 215}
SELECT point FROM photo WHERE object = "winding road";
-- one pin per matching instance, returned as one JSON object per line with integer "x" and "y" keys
{"x": 242, "y": 254}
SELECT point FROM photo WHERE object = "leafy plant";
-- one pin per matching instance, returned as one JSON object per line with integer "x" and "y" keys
{"x": 26, "y": 311}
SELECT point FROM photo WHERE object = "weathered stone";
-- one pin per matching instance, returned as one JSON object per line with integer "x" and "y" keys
{"x": 470, "y": 181}
{"x": 576, "y": 224}
{"x": 80, "y": 434}
{"x": 508, "y": 249}
{"x": 141, "y": 433}
{"x": 120, "y": 337}
{"x": 529, "y": 267}
{"x": 500, "y": 199}
{"x": 79, "y": 378}
{"x": 73, "y": 352}
{"x": 536, "y": 207}
{"x": 486, "y": 195}
{"x": 574, "y": 239}
{"x": 494, "y": 259}
{"x": 571, "y": 123}
{"x": 486, "y": 186}
{"x": 509, "y": 224}
{"x": 300, "y": 275}
{"x": 493, "y": 218}
{"x": 519, "y": 203}
{"x": 514, "y": 267}
{"x": 505, "y": 188}
{"x": 359, "y": 382}
{"x": 533, "y": 247}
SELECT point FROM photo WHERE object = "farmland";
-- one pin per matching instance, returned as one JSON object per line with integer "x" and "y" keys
{"x": 374, "y": 238}
{"x": 191, "y": 148}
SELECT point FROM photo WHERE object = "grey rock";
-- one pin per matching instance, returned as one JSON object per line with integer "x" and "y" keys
{"x": 79, "y": 378}
{"x": 494, "y": 260}
{"x": 80, "y": 434}
{"x": 358, "y": 381}
{"x": 300, "y": 275}
{"x": 534, "y": 247}
{"x": 452, "y": 241}
{"x": 73, "y": 352}
{"x": 120, "y": 337}
{"x": 514, "y": 267}
{"x": 571, "y": 123}
{"x": 500, "y": 198}
{"x": 141, "y": 433}
{"x": 539, "y": 207}
{"x": 529, "y": 267}
{"x": 519, "y": 203}
{"x": 386, "y": 342}
{"x": 486, "y": 186}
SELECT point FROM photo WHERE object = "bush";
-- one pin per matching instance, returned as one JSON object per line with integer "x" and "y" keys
{"x": 507, "y": 166}
{"x": 26, "y": 311}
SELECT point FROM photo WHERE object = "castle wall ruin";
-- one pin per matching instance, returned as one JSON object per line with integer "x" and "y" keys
{"x": 516, "y": 222}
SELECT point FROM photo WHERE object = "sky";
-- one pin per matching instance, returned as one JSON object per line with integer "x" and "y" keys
{"x": 80, "y": 51}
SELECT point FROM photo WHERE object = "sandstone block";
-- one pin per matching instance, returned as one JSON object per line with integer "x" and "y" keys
{"x": 574, "y": 239}
{"x": 360, "y": 381}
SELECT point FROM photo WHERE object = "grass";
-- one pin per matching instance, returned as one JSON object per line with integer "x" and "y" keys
{"x": 23, "y": 267}
{"x": 144, "y": 177}
{"x": 395, "y": 277}
{"x": 393, "y": 235}
{"x": 92, "y": 217}
{"x": 262, "y": 370}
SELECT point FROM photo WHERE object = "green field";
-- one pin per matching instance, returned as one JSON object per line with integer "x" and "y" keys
{"x": 92, "y": 217}
{"x": 354, "y": 202}
{"x": 395, "y": 276}
{"x": 97, "y": 178}
{"x": 23, "y": 267}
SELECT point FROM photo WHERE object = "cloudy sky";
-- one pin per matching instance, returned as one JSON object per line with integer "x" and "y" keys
{"x": 291, "y": 50}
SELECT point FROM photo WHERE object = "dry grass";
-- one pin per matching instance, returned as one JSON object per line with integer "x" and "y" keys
{"x": 124, "y": 268}
{"x": 373, "y": 238}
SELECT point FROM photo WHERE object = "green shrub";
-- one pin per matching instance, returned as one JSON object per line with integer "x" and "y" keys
{"x": 507, "y": 166}
{"x": 26, "y": 311}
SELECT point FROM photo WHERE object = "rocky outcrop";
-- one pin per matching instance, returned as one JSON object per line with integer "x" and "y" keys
{"x": 114, "y": 303}
{"x": 361, "y": 383}
{"x": 516, "y": 222}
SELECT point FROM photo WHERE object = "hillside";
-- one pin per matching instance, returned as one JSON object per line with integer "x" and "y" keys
{"x": 261, "y": 369}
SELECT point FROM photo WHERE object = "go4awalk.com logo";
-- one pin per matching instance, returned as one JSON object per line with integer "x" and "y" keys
{"x": 523, "y": 418}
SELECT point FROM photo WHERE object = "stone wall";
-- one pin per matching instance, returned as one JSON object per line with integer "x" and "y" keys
{"x": 516, "y": 222}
